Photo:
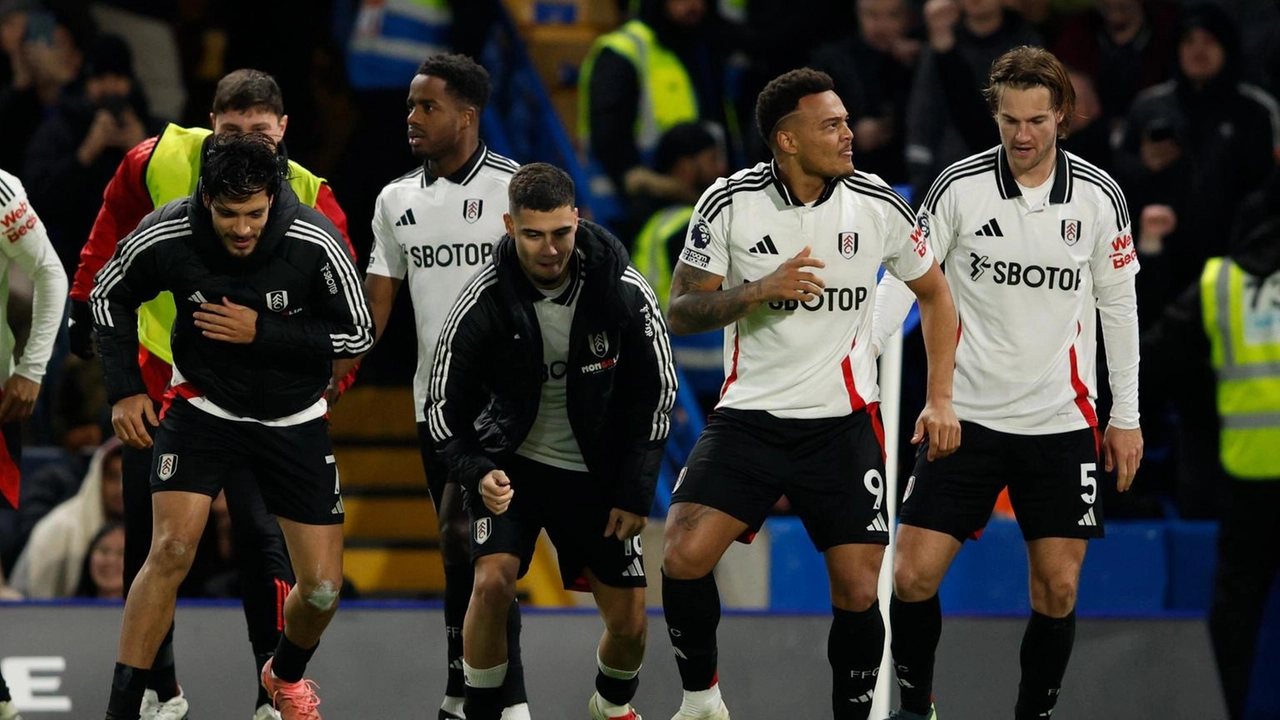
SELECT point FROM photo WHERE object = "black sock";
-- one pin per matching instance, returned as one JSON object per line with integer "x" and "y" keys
{"x": 1046, "y": 649}
{"x": 917, "y": 626}
{"x": 855, "y": 647}
{"x": 4, "y": 691}
{"x": 264, "y": 698}
{"x": 513, "y": 692}
{"x": 457, "y": 595}
{"x": 692, "y": 610}
{"x": 164, "y": 675}
{"x": 291, "y": 661}
{"x": 616, "y": 690}
{"x": 127, "y": 685}
{"x": 483, "y": 703}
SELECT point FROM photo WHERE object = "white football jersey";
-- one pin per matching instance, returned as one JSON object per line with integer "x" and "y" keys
{"x": 811, "y": 359}
{"x": 24, "y": 242}
{"x": 1023, "y": 276}
{"x": 438, "y": 232}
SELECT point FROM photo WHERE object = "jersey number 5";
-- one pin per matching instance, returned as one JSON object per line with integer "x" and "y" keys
{"x": 1088, "y": 482}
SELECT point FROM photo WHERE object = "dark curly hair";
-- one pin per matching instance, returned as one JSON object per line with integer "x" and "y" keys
{"x": 237, "y": 167}
{"x": 463, "y": 77}
{"x": 540, "y": 187}
{"x": 782, "y": 95}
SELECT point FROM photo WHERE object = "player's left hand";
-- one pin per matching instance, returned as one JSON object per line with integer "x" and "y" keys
{"x": 341, "y": 368}
{"x": 227, "y": 322}
{"x": 1122, "y": 452}
{"x": 624, "y": 525}
{"x": 938, "y": 422}
{"x": 19, "y": 398}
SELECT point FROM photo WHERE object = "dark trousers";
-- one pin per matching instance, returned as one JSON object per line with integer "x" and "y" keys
{"x": 1248, "y": 563}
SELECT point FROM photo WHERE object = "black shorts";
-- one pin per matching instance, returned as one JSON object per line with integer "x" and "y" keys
{"x": 433, "y": 465}
{"x": 1052, "y": 480}
{"x": 573, "y": 509}
{"x": 293, "y": 466}
{"x": 830, "y": 469}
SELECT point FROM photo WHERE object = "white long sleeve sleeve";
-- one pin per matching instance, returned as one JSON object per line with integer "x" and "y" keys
{"x": 29, "y": 246}
{"x": 893, "y": 302}
{"x": 1118, "y": 312}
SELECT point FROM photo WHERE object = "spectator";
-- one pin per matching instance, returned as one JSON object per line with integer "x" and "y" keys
{"x": 873, "y": 69}
{"x": 1123, "y": 46}
{"x": 663, "y": 68}
{"x": 1090, "y": 136}
{"x": 772, "y": 37}
{"x": 102, "y": 572}
{"x": 7, "y": 593}
{"x": 690, "y": 158}
{"x": 1043, "y": 16}
{"x": 50, "y": 565}
{"x": 45, "y": 46}
{"x": 1224, "y": 331}
{"x": 78, "y": 411}
{"x": 1197, "y": 143}
{"x": 77, "y": 149}
{"x": 947, "y": 118}
{"x": 688, "y": 154}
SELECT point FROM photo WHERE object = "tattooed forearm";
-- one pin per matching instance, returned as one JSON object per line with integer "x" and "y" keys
{"x": 698, "y": 305}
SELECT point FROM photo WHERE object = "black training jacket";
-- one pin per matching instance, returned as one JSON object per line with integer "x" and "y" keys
{"x": 300, "y": 279}
{"x": 486, "y": 379}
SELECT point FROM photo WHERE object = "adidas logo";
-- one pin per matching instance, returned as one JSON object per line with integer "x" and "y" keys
{"x": 197, "y": 298}
{"x": 991, "y": 229}
{"x": 338, "y": 508}
{"x": 1088, "y": 520}
{"x": 765, "y": 247}
{"x": 864, "y": 698}
{"x": 878, "y": 525}
{"x": 636, "y": 569}
{"x": 406, "y": 219}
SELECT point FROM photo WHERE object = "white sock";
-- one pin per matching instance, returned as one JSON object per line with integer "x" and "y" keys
{"x": 453, "y": 706}
{"x": 519, "y": 711}
{"x": 614, "y": 673}
{"x": 701, "y": 702}
{"x": 484, "y": 677}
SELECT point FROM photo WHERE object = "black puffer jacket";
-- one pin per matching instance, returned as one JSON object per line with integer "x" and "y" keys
{"x": 487, "y": 377}
{"x": 300, "y": 279}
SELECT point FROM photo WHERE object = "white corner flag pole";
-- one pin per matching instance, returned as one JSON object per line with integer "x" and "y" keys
{"x": 890, "y": 414}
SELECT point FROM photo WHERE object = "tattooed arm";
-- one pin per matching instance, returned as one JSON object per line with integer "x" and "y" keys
{"x": 698, "y": 304}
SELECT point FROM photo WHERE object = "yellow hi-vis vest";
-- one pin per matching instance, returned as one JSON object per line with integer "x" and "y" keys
{"x": 667, "y": 97}
{"x": 172, "y": 173}
{"x": 1241, "y": 316}
{"x": 650, "y": 254}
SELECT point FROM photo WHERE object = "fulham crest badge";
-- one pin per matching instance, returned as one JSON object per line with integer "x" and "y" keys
{"x": 166, "y": 465}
